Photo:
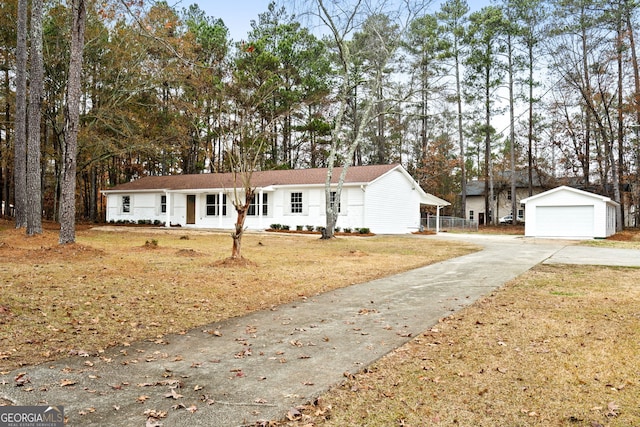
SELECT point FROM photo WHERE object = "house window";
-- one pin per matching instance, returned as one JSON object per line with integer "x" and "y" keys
{"x": 253, "y": 207}
{"x": 213, "y": 205}
{"x": 508, "y": 194}
{"x": 126, "y": 204}
{"x": 333, "y": 200}
{"x": 296, "y": 202}
{"x": 163, "y": 204}
{"x": 471, "y": 215}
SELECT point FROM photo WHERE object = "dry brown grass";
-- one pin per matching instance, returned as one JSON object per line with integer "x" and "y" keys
{"x": 115, "y": 287}
{"x": 556, "y": 347}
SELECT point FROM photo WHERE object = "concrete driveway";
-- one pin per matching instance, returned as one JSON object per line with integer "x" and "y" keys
{"x": 258, "y": 366}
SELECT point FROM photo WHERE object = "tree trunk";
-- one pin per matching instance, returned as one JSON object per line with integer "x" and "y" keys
{"x": 620, "y": 160}
{"x": 20, "y": 139}
{"x": 34, "y": 168}
{"x": 238, "y": 232}
{"x": 72, "y": 122}
{"x": 488, "y": 189}
{"x": 530, "y": 124}
{"x": 587, "y": 81}
{"x": 463, "y": 165}
{"x": 636, "y": 106}
{"x": 236, "y": 250}
{"x": 512, "y": 132}
{"x": 93, "y": 196}
{"x": 6, "y": 174}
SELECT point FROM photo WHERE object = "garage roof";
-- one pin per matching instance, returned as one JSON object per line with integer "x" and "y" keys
{"x": 570, "y": 189}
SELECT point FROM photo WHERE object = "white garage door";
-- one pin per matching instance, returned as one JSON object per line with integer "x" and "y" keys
{"x": 564, "y": 221}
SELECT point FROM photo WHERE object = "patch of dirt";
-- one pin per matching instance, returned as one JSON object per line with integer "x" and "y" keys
{"x": 502, "y": 229}
{"x": 150, "y": 244}
{"x": 189, "y": 253}
{"x": 424, "y": 233}
{"x": 357, "y": 253}
{"x": 235, "y": 262}
{"x": 629, "y": 235}
{"x": 5, "y": 315}
{"x": 16, "y": 245}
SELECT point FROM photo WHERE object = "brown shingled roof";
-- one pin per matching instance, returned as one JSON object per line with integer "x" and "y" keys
{"x": 355, "y": 174}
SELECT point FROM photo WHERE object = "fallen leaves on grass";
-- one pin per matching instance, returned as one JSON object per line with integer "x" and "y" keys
{"x": 107, "y": 289}
{"x": 562, "y": 339}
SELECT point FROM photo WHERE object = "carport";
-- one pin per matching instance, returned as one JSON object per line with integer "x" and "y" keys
{"x": 566, "y": 212}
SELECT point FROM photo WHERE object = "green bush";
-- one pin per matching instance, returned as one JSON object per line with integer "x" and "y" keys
{"x": 276, "y": 226}
{"x": 347, "y": 230}
{"x": 363, "y": 230}
{"x": 310, "y": 227}
{"x": 299, "y": 228}
{"x": 285, "y": 227}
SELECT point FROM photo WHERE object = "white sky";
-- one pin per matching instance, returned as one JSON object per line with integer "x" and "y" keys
{"x": 237, "y": 14}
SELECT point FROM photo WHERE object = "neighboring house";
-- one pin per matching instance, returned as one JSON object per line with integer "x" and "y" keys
{"x": 501, "y": 203}
{"x": 383, "y": 198}
{"x": 569, "y": 213}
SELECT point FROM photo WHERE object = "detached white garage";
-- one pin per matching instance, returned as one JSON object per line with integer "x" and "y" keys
{"x": 569, "y": 213}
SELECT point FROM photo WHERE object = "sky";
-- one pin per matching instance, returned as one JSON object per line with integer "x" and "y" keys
{"x": 237, "y": 14}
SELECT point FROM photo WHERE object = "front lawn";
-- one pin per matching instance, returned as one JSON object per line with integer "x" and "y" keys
{"x": 114, "y": 287}
{"x": 558, "y": 346}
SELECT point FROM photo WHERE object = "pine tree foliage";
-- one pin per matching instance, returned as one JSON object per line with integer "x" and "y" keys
{"x": 167, "y": 91}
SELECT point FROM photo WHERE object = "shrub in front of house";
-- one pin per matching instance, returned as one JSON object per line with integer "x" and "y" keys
{"x": 310, "y": 227}
{"x": 299, "y": 228}
{"x": 364, "y": 230}
{"x": 347, "y": 230}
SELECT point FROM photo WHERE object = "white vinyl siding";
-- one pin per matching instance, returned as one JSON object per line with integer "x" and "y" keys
{"x": 396, "y": 204}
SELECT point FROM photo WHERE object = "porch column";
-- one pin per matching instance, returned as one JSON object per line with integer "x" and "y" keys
{"x": 259, "y": 207}
{"x": 167, "y": 221}
{"x": 438, "y": 218}
{"x": 220, "y": 208}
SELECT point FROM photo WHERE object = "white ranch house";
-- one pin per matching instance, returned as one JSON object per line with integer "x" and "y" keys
{"x": 383, "y": 198}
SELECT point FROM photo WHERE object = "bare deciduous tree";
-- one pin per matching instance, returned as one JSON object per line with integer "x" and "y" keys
{"x": 340, "y": 21}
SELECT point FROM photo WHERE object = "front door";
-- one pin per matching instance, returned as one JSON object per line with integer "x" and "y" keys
{"x": 481, "y": 218}
{"x": 191, "y": 209}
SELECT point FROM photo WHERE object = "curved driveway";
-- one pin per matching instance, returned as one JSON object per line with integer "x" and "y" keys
{"x": 258, "y": 366}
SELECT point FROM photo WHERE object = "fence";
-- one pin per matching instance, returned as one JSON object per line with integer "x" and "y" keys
{"x": 449, "y": 223}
